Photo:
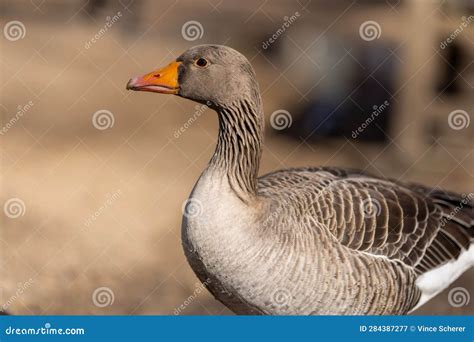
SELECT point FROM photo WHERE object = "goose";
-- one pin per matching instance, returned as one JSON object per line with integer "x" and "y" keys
{"x": 311, "y": 240}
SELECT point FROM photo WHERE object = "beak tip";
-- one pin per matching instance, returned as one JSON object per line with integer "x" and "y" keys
{"x": 130, "y": 84}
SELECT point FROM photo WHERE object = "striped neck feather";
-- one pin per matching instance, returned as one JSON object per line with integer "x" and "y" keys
{"x": 239, "y": 145}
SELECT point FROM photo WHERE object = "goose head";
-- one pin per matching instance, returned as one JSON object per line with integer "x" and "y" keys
{"x": 224, "y": 80}
{"x": 212, "y": 74}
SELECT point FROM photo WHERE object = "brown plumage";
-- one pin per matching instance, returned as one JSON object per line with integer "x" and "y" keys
{"x": 305, "y": 240}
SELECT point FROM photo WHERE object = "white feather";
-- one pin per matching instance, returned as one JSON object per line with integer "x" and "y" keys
{"x": 434, "y": 281}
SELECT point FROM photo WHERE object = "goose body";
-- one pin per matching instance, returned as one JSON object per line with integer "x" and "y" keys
{"x": 309, "y": 240}
{"x": 280, "y": 259}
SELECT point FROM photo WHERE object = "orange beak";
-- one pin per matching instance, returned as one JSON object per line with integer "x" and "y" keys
{"x": 163, "y": 81}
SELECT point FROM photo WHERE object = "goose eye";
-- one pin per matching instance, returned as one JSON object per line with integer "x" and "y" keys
{"x": 201, "y": 62}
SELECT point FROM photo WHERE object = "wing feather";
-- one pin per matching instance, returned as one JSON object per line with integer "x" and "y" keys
{"x": 401, "y": 221}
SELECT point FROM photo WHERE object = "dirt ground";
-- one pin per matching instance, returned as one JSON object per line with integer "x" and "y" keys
{"x": 102, "y": 208}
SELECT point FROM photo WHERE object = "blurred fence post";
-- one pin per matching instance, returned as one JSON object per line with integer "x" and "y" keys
{"x": 416, "y": 81}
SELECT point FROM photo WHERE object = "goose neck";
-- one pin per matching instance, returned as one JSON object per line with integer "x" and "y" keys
{"x": 239, "y": 145}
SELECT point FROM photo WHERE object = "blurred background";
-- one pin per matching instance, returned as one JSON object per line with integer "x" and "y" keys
{"x": 94, "y": 177}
